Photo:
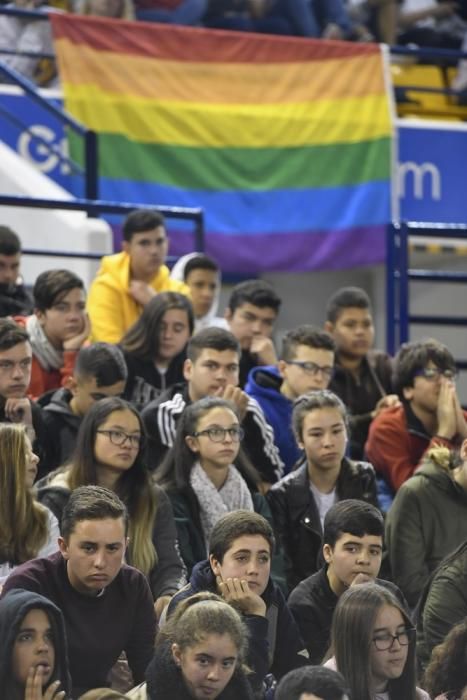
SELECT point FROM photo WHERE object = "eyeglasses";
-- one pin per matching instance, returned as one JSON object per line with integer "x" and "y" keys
{"x": 385, "y": 641}
{"x": 433, "y": 373}
{"x": 312, "y": 368}
{"x": 218, "y": 434}
{"x": 119, "y": 438}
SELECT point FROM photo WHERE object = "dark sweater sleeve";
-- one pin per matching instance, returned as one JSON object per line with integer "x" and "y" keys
{"x": 140, "y": 645}
{"x": 169, "y": 574}
{"x": 155, "y": 450}
{"x": 258, "y": 649}
{"x": 290, "y": 651}
{"x": 259, "y": 444}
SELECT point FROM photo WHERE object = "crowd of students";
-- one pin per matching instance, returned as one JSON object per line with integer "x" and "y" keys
{"x": 186, "y": 512}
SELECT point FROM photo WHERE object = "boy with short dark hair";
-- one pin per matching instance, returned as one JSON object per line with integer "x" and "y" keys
{"x": 238, "y": 569}
{"x": 306, "y": 364}
{"x": 15, "y": 375}
{"x": 352, "y": 550}
{"x": 430, "y": 414}
{"x": 57, "y": 330}
{"x": 126, "y": 281}
{"x": 14, "y": 297}
{"x": 100, "y": 371}
{"x": 107, "y": 606}
{"x": 251, "y": 312}
{"x": 362, "y": 376}
{"x": 202, "y": 276}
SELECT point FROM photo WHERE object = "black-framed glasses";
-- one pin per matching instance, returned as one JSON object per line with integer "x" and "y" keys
{"x": 217, "y": 434}
{"x": 433, "y": 373}
{"x": 119, "y": 438}
{"x": 312, "y": 368}
{"x": 384, "y": 641}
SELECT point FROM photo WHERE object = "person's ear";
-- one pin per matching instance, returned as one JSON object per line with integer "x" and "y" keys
{"x": 228, "y": 314}
{"x": 215, "y": 566}
{"x": 71, "y": 384}
{"x": 408, "y": 392}
{"x": 327, "y": 553}
{"x": 187, "y": 369}
{"x": 282, "y": 366}
{"x": 176, "y": 654}
{"x": 192, "y": 443}
{"x": 63, "y": 547}
{"x": 329, "y": 327}
{"x": 126, "y": 246}
{"x": 40, "y": 315}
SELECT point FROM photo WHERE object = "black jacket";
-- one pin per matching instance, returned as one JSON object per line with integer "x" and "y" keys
{"x": 361, "y": 396}
{"x": 13, "y": 609}
{"x": 296, "y": 518}
{"x": 275, "y": 644}
{"x": 313, "y": 603}
{"x": 145, "y": 383}
{"x": 162, "y": 415}
{"x": 63, "y": 424}
{"x": 165, "y": 681}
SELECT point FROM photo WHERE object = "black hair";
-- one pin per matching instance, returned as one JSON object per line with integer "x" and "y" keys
{"x": 356, "y": 517}
{"x": 11, "y": 334}
{"x": 256, "y": 292}
{"x": 52, "y": 285}
{"x": 9, "y": 242}
{"x": 91, "y": 503}
{"x": 213, "y": 338}
{"x": 346, "y": 298}
{"x": 141, "y": 220}
{"x": 414, "y": 357}
{"x": 143, "y": 338}
{"x": 103, "y": 361}
{"x": 307, "y": 335}
{"x": 199, "y": 262}
{"x": 234, "y": 525}
{"x": 315, "y": 401}
{"x": 319, "y": 680}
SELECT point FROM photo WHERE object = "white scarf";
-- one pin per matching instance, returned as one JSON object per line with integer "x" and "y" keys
{"x": 49, "y": 358}
{"x": 233, "y": 495}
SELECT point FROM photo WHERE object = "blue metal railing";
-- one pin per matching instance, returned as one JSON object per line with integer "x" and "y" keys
{"x": 399, "y": 276}
{"x": 96, "y": 207}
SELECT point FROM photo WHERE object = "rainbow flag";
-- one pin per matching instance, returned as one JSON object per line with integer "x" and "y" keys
{"x": 286, "y": 143}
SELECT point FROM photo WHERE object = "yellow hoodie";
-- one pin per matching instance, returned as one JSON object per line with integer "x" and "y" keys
{"x": 111, "y": 308}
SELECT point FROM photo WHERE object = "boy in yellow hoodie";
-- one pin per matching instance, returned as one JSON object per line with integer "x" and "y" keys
{"x": 126, "y": 281}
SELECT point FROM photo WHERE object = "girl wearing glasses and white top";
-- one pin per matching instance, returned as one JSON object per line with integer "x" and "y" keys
{"x": 199, "y": 475}
{"x": 373, "y": 642}
{"x": 109, "y": 452}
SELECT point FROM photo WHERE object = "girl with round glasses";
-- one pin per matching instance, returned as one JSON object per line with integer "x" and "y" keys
{"x": 109, "y": 452}
{"x": 373, "y": 642}
{"x": 199, "y": 475}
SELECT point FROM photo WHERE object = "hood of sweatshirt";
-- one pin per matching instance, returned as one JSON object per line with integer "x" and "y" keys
{"x": 13, "y": 609}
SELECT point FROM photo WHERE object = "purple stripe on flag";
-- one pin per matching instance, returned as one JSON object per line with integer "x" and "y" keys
{"x": 289, "y": 252}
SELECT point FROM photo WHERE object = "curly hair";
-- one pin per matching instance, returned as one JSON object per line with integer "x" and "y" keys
{"x": 447, "y": 670}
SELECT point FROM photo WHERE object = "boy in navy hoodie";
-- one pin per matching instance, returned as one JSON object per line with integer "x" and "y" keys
{"x": 238, "y": 569}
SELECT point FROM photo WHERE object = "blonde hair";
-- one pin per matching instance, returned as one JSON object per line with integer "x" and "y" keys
{"x": 443, "y": 457}
{"x": 23, "y": 521}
